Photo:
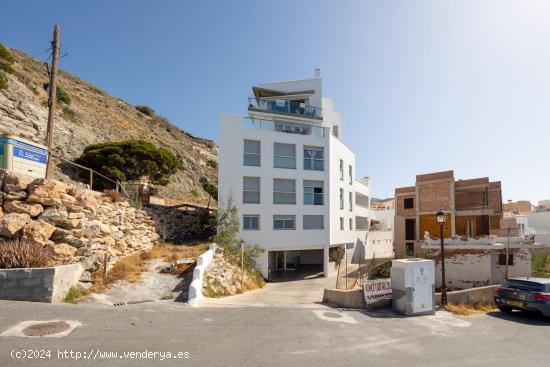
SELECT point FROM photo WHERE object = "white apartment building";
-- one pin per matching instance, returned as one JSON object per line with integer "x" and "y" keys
{"x": 291, "y": 177}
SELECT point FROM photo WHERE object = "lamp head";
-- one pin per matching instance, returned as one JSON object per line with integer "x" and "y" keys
{"x": 440, "y": 217}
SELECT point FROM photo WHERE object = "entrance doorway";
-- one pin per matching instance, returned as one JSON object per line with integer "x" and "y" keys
{"x": 285, "y": 260}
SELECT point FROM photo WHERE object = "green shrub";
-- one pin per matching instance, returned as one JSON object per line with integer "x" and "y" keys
{"x": 61, "y": 94}
{"x": 146, "y": 110}
{"x": 129, "y": 160}
{"x": 73, "y": 295}
{"x": 6, "y": 59}
{"x": 226, "y": 237}
{"x": 212, "y": 163}
{"x": 24, "y": 254}
{"x": 195, "y": 193}
{"x": 69, "y": 113}
{"x": 209, "y": 187}
{"x": 3, "y": 82}
{"x": 540, "y": 263}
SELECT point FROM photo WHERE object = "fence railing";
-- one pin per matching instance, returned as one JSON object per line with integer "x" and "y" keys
{"x": 118, "y": 185}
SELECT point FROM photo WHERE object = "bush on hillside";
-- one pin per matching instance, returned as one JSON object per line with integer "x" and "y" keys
{"x": 146, "y": 110}
{"x": 6, "y": 59}
{"x": 61, "y": 94}
{"x": 129, "y": 160}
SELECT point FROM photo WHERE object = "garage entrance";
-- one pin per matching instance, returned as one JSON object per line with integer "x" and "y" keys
{"x": 288, "y": 265}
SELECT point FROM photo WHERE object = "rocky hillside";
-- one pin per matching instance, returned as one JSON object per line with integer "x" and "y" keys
{"x": 77, "y": 225}
{"x": 94, "y": 116}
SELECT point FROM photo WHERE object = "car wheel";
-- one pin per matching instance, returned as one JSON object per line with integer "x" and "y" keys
{"x": 505, "y": 309}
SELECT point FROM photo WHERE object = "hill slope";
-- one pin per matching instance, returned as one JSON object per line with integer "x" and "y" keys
{"x": 94, "y": 116}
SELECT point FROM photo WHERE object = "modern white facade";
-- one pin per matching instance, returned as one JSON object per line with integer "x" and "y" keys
{"x": 291, "y": 177}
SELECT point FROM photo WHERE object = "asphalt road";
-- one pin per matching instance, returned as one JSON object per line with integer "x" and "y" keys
{"x": 264, "y": 336}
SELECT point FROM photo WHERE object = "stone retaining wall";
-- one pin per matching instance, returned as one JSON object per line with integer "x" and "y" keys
{"x": 345, "y": 298}
{"x": 39, "y": 284}
{"x": 470, "y": 296}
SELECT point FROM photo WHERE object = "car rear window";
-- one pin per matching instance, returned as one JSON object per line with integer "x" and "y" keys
{"x": 525, "y": 285}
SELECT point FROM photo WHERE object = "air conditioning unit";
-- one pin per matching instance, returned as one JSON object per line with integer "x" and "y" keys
{"x": 413, "y": 286}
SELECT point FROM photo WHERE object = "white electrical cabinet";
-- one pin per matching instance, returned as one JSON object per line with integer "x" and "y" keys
{"x": 413, "y": 286}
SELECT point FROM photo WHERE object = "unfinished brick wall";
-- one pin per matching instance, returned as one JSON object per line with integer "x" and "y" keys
{"x": 434, "y": 196}
{"x": 469, "y": 199}
{"x": 495, "y": 197}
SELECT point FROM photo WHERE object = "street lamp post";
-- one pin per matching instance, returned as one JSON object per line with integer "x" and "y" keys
{"x": 440, "y": 217}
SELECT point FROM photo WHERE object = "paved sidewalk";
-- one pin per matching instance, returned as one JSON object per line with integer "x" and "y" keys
{"x": 305, "y": 293}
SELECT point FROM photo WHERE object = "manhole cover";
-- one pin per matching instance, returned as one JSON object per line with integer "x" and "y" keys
{"x": 332, "y": 315}
{"x": 46, "y": 328}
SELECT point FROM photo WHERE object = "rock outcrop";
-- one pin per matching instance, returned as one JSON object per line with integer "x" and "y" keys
{"x": 78, "y": 225}
{"x": 222, "y": 278}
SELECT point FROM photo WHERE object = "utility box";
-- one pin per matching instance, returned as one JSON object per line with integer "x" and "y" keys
{"x": 23, "y": 156}
{"x": 413, "y": 286}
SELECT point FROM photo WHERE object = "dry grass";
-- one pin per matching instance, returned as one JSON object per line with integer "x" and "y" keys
{"x": 131, "y": 267}
{"x": 467, "y": 310}
{"x": 171, "y": 253}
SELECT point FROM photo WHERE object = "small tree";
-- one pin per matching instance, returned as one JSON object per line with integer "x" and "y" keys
{"x": 226, "y": 236}
{"x": 228, "y": 224}
{"x": 210, "y": 188}
{"x": 129, "y": 160}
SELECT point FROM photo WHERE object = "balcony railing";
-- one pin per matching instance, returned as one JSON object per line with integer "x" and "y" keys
{"x": 285, "y": 127}
{"x": 284, "y": 106}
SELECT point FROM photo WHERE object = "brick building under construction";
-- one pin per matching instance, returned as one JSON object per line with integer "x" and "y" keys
{"x": 473, "y": 207}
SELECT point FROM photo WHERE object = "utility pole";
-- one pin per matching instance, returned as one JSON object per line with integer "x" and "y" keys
{"x": 507, "y": 251}
{"x": 52, "y": 98}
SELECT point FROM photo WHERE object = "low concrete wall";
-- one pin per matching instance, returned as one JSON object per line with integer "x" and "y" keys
{"x": 195, "y": 289}
{"x": 39, "y": 284}
{"x": 470, "y": 296}
{"x": 345, "y": 298}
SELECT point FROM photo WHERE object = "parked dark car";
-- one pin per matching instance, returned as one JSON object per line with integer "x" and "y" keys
{"x": 524, "y": 293}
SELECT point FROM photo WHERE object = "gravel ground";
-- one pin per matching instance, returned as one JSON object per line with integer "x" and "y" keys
{"x": 153, "y": 286}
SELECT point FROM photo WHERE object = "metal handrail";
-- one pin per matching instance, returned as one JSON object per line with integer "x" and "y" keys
{"x": 92, "y": 172}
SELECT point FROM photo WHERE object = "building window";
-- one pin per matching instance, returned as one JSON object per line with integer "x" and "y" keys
{"x": 284, "y": 191}
{"x": 252, "y": 153}
{"x": 351, "y": 224}
{"x": 361, "y": 223}
{"x": 313, "y": 222}
{"x": 251, "y": 222}
{"x": 350, "y": 201}
{"x": 361, "y": 200}
{"x": 251, "y": 190}
{"x": 313, "y": 159}
{"x": 502, "y": 259}
{"x": 313, "y": 192}
{"x": 341, "y": 170}
{"x": 284, "y": 222}
{"x": 350, "y": 169}
{"x": 341, "y": 223}
{"x": 409, "y": 249}
{"x": 284, "y": 155}
{"x": 341, "y": 198}
{"x": 335, "y": 131}
{"x": 408, "y": 203}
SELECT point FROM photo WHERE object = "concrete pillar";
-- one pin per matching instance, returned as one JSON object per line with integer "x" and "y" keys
{"x": 263, "y": 264}
{"x": 325, "y": 261}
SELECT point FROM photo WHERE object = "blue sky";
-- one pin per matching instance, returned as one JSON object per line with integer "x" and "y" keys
{"x": 422, "y": 85}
